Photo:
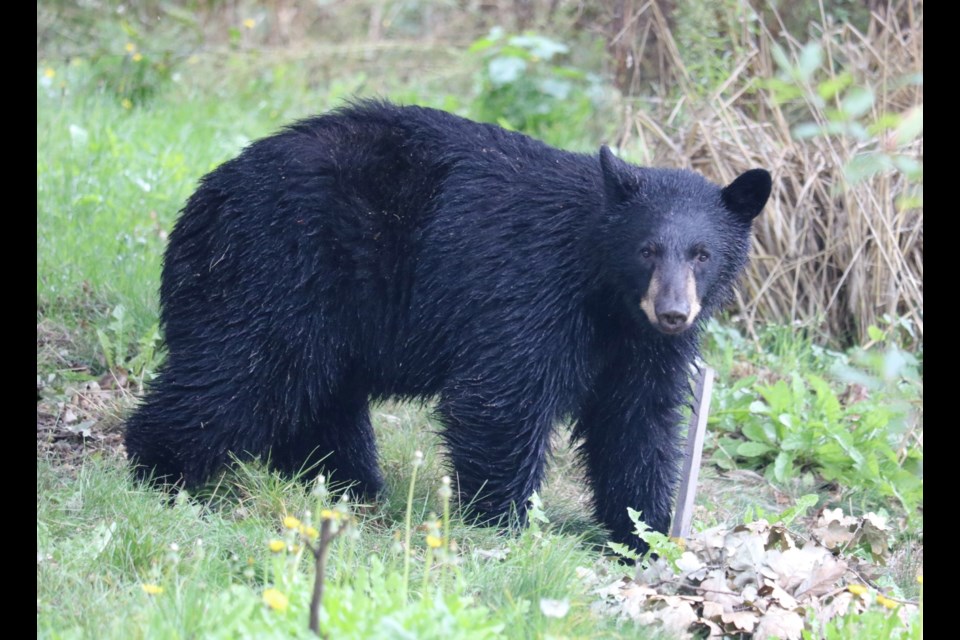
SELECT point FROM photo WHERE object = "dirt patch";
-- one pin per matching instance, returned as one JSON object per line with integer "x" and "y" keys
{"x": 77, "y": 414}
{"x": 81, "y": 420}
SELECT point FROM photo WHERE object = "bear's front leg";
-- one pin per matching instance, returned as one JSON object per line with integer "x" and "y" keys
{"x": 498, "y": 441}
{"x": 629, "y": 434}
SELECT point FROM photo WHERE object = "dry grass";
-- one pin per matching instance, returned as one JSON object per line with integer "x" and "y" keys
{"x": 830, "y": 253}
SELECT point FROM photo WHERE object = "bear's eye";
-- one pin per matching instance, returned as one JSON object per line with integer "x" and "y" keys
{"x": 703, "y": 255}
{"x": 646, "y": 252}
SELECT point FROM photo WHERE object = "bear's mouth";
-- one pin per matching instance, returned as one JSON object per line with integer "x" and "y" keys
{"x": 671, "y": 327}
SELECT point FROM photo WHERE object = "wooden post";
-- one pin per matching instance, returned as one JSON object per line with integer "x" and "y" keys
{"x": 694, "y": 452}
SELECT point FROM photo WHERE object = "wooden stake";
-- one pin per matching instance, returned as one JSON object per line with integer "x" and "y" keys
{"x": 694, "y": 452}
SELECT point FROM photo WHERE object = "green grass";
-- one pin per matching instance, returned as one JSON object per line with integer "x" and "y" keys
{"x": 110, "y": 181}
{"x": 100, "y": 537}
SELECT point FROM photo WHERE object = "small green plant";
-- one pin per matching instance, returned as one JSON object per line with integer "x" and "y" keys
{"x": 847, "y": 109}
{"x": 785, "y": 517}
{"x": 710, "y": 41}
{"x": 536, "y": 516}
{"x": 115, "y": 342}
{"x": 864, "y": 436}
{"x": 659, "y": 544}
{"x": 525, "y": 86}
{"x": 384, "y": 588}
{"x": 133, "y": 76}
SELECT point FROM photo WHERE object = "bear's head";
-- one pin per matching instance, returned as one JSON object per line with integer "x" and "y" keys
{"x": 675, "y": 242}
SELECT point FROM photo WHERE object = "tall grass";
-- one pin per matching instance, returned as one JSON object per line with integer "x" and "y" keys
{"x": 834, "y": 250}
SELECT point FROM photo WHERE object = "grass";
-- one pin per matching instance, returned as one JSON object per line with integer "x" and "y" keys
{"x": 111, "y": 177}
{"x": 837, "y": 116}
{"x": 110, "y": 181}
{"x": 99, "y": 538}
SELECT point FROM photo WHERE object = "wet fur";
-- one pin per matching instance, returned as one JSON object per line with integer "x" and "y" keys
{"x": 382, "y": 251}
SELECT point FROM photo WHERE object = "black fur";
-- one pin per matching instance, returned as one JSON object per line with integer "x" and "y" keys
{"x": 401, "y": 251}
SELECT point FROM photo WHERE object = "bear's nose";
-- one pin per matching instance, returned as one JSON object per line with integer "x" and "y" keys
{"x": 672, "y": 320}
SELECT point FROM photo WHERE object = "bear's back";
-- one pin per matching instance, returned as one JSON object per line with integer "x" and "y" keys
{"x": 388, "y": 225}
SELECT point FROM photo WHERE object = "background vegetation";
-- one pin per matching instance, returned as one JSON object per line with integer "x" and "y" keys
{"x": 820, "y": 361}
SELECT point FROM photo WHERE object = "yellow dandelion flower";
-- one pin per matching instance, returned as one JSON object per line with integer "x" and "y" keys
{"x": 130, "y": 47}
{"x": 275, "y": 599}
{"x": 152, "y": 589}
{"x": 310, "y": 532}
{"x": 49, "y": 72}
{"x": 277, "y": 545}
{"x": 433, "y": 541}
{"x": 887, "y": 602}
{"x": 920, "y": 578}
{"x": 137, "y": 57}
{"x": 126, "y": 103}
{"x": 291, "y": 523}
{"x": 249, "y": 23}
{"x": 857, "y": 589}
{"x": 330, "y": 514}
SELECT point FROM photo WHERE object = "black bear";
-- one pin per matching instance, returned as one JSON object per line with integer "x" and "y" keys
{"x": 382, "y": 251}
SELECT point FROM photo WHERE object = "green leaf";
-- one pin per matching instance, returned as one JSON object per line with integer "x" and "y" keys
{"x": 728, "y": 445}
{"x": 753, "y": 449}
{"x": 804, "y": 503}
{"x": 911, "y": 167}
{"x": 624, "y": 551}
{"x": 826, "y": 400}
{"x": 845, "y": 440}
{"x": 778, "y": 396}
{"x": 865, "y": 165}
{"x": 786, "y": 420}
{"x": 106, "y": 347}
{"x": 908, "y": 201}
{"x": 885, "y": 122}
{"x": 910, "y": 79}
{"x": 857, "y": 131}
{"x": 759, "y": 408}
{"x": 807, "y": 130}
{"x": 505, "y": 69}
{"x": 811, "y": 57}
{"x": 894, "y": 363}
{"x": 857, "y": 102}
{"x": 911, "y": 126}
{"x": 480, "y": 45}
{"x": 558, "y": 89}
{"x": 781, "y": 58}
{"x": 800, "y": 439}
{"x": 782, "y": 90}
{"x": 757, "y": 433}
{"x": 875, "y": 333}
{"x": 783, "y": 466}
{"x": 539, "y": 46}
{"x": 832, "y": 86}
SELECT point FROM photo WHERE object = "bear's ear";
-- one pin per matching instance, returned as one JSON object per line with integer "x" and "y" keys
{"x": 620, "y": 180}
{"x": 746, "y": 195}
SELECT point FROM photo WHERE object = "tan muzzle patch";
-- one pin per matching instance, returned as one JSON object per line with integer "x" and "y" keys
{"x": 649, "y": 301}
